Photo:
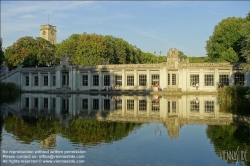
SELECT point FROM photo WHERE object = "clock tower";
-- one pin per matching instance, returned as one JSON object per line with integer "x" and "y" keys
{"x": 48, "y": 32}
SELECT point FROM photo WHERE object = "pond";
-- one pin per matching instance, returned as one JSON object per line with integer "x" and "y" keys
{"x": 81, "y": 129}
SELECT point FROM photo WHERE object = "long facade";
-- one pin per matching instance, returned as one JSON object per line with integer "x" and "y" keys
{"x": 172, "y": 75}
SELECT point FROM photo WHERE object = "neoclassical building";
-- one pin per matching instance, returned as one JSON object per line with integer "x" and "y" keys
{"x": 172, "y": 75}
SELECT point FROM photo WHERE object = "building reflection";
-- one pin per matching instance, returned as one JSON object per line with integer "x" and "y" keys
{"x": 172, "y": 111}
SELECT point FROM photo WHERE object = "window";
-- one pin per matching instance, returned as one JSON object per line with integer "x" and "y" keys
{"x": 54, "y": 81}
{"x": 36, "y": 80}
{"x": 65, "y": 79}
{"x": 224, "y": 79}
{"x": 130, "y": 105}
{"x": 106, "y": 80}
{"x": 65, "y": 104}
{"x": 194, "y": 79}
{"x": 36, "y": 102}
{"x": 106, "y": 104}
{"x": 27, "y": 81}
{"x": 168, "y": 79}
{"x": 118, "y": 80}
{"x": 155, "y": 106}
{"x": 45, "y": 104}
{"x": 84, "y": 80}
{"x": 239, "y": 78}
{"x": 54, "y": 102}
{"x": 155, "y": 79}
{"x": 209, "y": 80}
{"x": 209, "y": 106}
{"x": 194, "y": 106}
{"x": 118, "y": 104}
{"x": 142, "y": 80}
{"x": 85, "y": 104}
{"x": 173, "y": 79}
{"x": 173, "y": 106}
{"x": 45, "y": 81}
{"x": 130, "y": 80}
{"x": 27, "y": 102}
{"x": 95, "y": 80}
{"x": 142, "y": 105}
{"x": 95, "y": 104}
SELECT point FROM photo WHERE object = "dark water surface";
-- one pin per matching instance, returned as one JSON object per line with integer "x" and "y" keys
{"x": 113, "y": 130}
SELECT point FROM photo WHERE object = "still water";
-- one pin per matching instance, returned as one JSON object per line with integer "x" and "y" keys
{"x": 121, "y": 130}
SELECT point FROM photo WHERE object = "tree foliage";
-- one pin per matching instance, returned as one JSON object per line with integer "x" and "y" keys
{"x": 1, "y": 53}
{"x": 245, "y": 43}
{"x": 85, "y": 131}
{"x": 225, "y": 41}
{"x": 30, "y": 52}
{"x": 93, "y": 49}
{"x": 230, "y": 138}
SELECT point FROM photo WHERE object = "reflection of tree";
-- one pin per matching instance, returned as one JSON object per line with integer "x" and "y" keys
{"x": 92, "y": 132}
{"x": 9, "y": 93}
{"x": 230, "y": 138}
{"x": 232, "y": 100}
{"x": 29, "y": 129}
{"x": 88, "y": 132}
{"x": 1, "y": 126}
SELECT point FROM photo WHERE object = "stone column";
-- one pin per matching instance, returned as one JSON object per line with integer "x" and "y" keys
{"x": 135, "y": 106}
{"x": 202, "y": 107}
{"x": 216, "y": 78}
{"x": 100, "y": 80}
{"x": 30, "y": 81}
{"x": 184, "y": 82}
{"x": 90, "y": 105}
{"x": 112, "y": 81}
{"x": 123, "y": 80}
{"x": 163, "y": 78}
{"x": 136, "y": 82}
{"x": 58, "y": 107}
{"x": 49, "y": 80}
{"x": 40, "y": 103}
{"x": 21, "y": 75}
{"x": 40, "y": 83}
{"x": 89, "y": 80}
{"x": 148, "y": 80}
{"x": 163, "y": 108}
{"x": 148, "y": 105}
{"x": 58, "y": 79}
{"x": 123, "y": 105}
{"x": 30, "y": 102}
{"x": 49, "y": 102}
{"x": 202, "y": 79}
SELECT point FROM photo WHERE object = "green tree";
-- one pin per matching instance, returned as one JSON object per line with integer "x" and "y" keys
{"x": 30, "y": 52}
{"x": 245, "y": 31}
{"x": 226, "y": 39}
{"x": 1, "y": 53}
{"x": 45, "y": 53}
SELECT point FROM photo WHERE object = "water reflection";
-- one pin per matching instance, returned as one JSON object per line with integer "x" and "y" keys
{"x": 234, "y": 139}
{"x": 47, "y": 113}
{"x": 92, "y": 120}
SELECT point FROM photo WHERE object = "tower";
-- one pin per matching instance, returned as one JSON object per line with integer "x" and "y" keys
{"x": 48, "y": 32}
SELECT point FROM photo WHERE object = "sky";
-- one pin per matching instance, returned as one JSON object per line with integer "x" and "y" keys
{"x": 153, "y": 26}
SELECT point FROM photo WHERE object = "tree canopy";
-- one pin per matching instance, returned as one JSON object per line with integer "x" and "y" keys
{"x": 225, "y": 41}
{"x": 30, "y": 52}
{"x": 245, "y": 43}
{"x": 1, "y": 53}
{"x": 93, "y": 49}
{"x": 230, "y": 41}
